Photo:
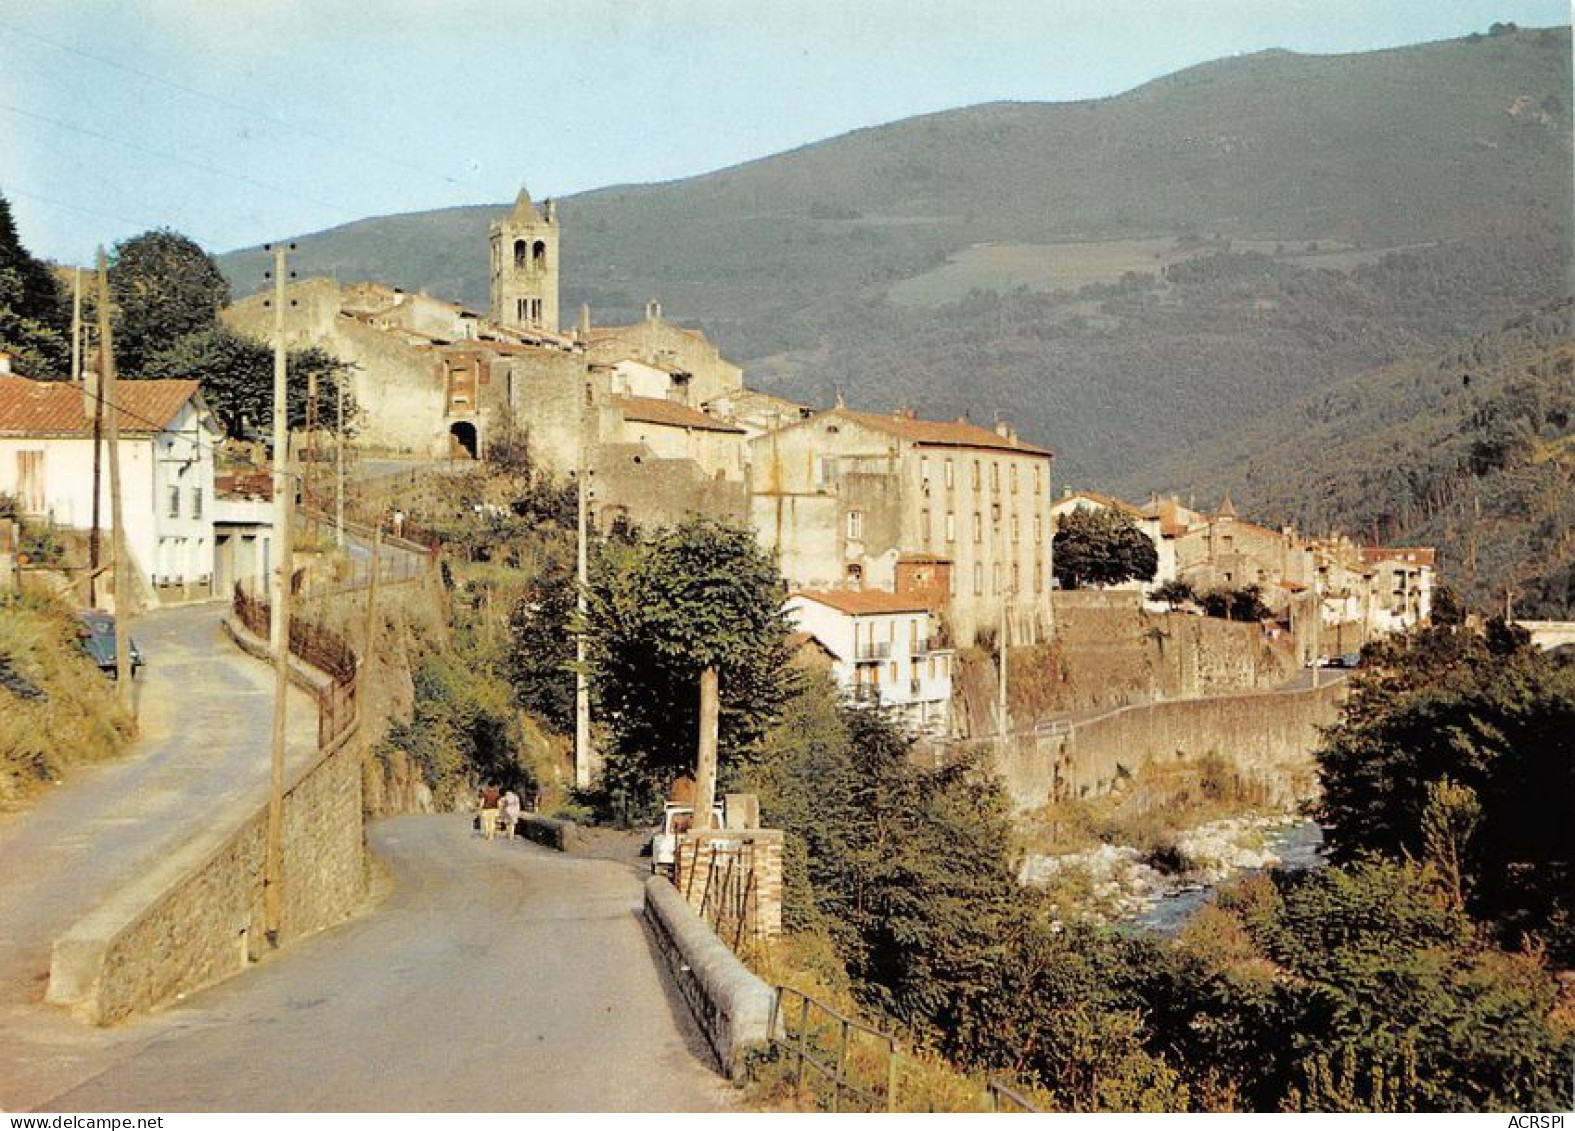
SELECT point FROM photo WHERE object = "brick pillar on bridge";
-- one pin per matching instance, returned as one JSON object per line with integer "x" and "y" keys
{"x": 733, "y": 880}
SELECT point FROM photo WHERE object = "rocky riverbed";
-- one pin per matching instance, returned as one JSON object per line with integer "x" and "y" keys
{"x": 1119, "y": 883}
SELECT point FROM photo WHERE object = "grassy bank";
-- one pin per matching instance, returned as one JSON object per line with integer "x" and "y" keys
{"x": 56, "y": 709}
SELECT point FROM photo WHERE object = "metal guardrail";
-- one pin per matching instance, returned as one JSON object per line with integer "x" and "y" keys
{"x": 1003, "y": 1098}
{"x": 819, "y": 1038}
{"x": 804, "y": 1042}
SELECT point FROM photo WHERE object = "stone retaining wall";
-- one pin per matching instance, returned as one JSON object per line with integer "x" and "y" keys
{"x": 198, "y": 917}
{"x": 733, "y": 1007}
{"x": 549, "y": 831}
{"x": 1269, "y": 736}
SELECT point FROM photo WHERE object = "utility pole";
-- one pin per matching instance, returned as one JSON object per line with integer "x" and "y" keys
{"x": 279, "y": 623}
{"x": 705, "y": 761}
{"x": 76, "y": 325}
{"x": 371, "y": 593}
{"x": 94, "y": 552}
{"x": 1002, "y": 707}
{"x": 123, "y": 598}
{"x": 582, "y": 684}
{"x": 339, "y": 458}
{"x": 309, "y": 487}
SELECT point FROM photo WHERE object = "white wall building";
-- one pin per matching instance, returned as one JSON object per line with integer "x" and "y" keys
{"x": 167, "y": 438}
{"x": 884, "y": 653}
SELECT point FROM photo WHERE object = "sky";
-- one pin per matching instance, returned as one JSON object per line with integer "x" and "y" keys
{"x": 239, "y": 121}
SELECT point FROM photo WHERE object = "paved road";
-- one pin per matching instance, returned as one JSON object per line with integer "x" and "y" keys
{"x": 496, "y": 977}
{"x": 205, "y": 712}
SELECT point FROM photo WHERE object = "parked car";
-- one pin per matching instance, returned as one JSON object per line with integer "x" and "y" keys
{"x": 96, "y": 630}
{"x": 1343, "y": 660}
{"x": 676, "y": 820}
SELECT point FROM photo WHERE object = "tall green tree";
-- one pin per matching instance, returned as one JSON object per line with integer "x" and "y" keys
{"x": 1459, "y": 747}
{"x": 1101, "y": 547}
{"x": 164, "y": 287}
{"x": 236, "y": 374}
{"x": 33, "y": 326}
{"x": 699, "y": 595}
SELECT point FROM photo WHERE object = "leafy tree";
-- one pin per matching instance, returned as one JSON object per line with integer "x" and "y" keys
{"x": 1460, "y": 748}
{"x": 1174, "y": 593}
{"x": 236, "y": 374}
{"x": 1102, "y": 547}
{"x": 1244, "y": 604}
{"x": 542, "y": 645}
{"x": 701, "y": 594}
{"x": 32, "y": 321}
{"x": 165, "y": 287}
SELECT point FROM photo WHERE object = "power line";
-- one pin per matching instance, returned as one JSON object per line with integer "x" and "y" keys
{"x": 230, "y": 104}
{"x": 40, "y": 197}
{"x": 166, "y": 155}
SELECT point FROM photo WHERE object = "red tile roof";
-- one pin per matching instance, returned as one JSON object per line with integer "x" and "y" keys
{"x": 1108, "y": 501}
{"x": 866, "y": 602}
{"x": 654, "y": 410}
{"x": 55, "y": 408}
{"x": 938, "y": 433}
{"x": 1414, "y": 555}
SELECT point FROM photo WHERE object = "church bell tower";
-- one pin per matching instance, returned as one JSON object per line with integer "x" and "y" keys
{"x": 525, "y": 266}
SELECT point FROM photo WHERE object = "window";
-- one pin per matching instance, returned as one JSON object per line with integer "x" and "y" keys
{"x": 855, "y": 525}
{"x": 924, "y": 470}
{"x": 1016, "y": 577}
{"x": 538, "y": 258}
{"x": 825, "y": 472}
{"x": 174, "y": 502}
{"x": 520, "y": 253}
{"x": 995, "y": 578}
{"x": 951, "y": 527}
{"x": 196, "y": 502}
{"x": 995, "y": 514}
{"x": 978, "y": 579}
{"x": 924, "y": 527}
{"x": 978, "y": 527}
{"x": 949, "y": 477}
{"x": 913, "y": 635}
{"x": 1014, "y": 479}
{"x": 975, "y": 475}
{"x": 1039, "y": 528}
{"x": 1014, "y": 528}
{"x": 995, "y": 476}
{"x": 30, "y": 481}
{"x": 1036, "y": 482}
{"x": 1039, "y": 577}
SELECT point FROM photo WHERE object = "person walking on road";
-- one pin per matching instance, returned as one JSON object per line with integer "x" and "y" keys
{"x": 489, "y": 811}
{"x": 511, "y": 813}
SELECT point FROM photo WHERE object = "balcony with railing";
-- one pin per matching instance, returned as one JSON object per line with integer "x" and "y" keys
{"x": 872, "y": 650}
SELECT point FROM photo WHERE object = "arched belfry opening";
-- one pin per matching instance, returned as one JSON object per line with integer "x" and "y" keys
{"x": 538, "y": 256}
{"x": 520, "y": 252}
{"x": 463, "y": 442}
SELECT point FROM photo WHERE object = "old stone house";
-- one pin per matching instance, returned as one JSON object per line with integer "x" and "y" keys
{"x": 848, "y": 499}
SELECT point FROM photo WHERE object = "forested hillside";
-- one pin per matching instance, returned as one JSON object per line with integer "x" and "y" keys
{"x": 935, "y": 260}
{"x": 1471, "y": 449}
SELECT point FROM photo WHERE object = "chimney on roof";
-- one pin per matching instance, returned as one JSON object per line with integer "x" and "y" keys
{"x": 585, "y": 320}
{"x": 653, "y": 311}
{"x": 1005, "y": 431}
{"x": 549, "y": 210}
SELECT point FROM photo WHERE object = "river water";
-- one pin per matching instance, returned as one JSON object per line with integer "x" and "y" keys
{"x": 1298, "y": 846}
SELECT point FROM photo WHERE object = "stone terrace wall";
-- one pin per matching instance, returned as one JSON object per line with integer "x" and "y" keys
{"x": 1269, "y": 736}
{"x": 198, "y": 916}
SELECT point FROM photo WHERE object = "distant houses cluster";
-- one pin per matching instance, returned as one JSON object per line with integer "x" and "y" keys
{"x": 1336, "y": 592}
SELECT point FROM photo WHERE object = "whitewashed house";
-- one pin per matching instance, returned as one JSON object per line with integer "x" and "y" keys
{"x": 167, "y": 438}
{"x": 884, "y": 652}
